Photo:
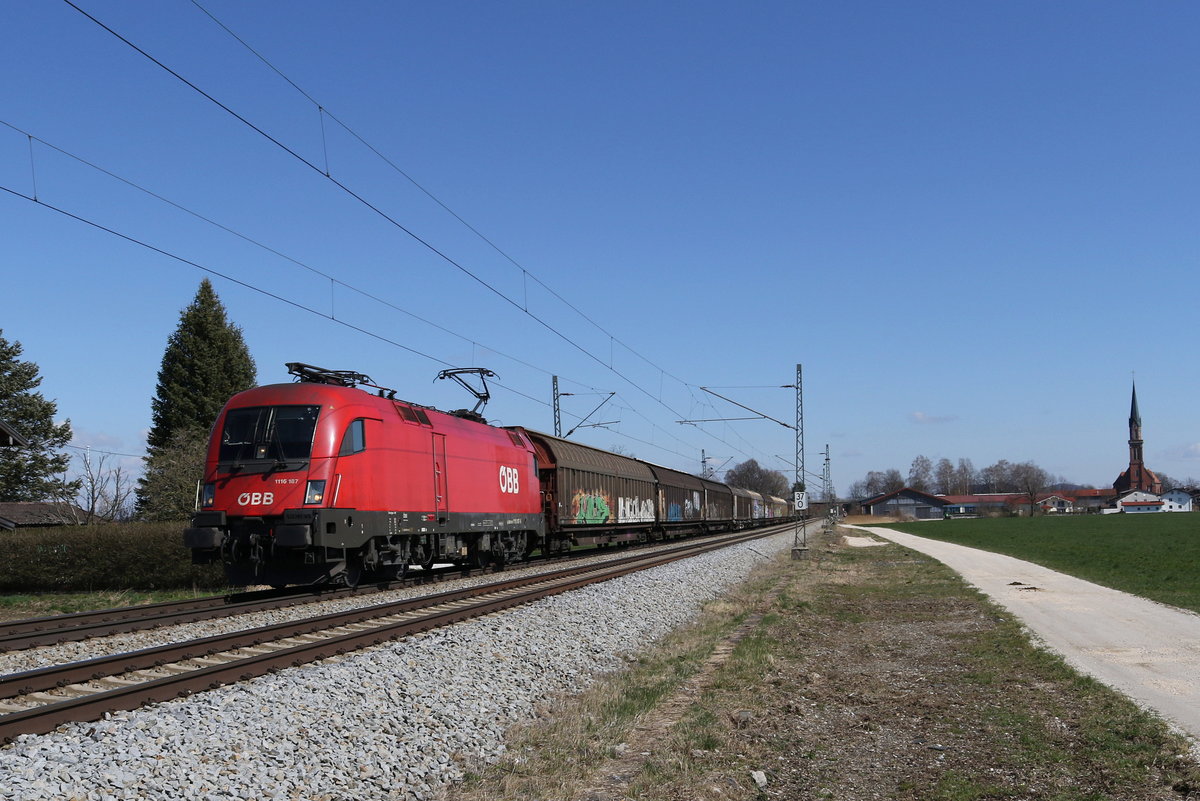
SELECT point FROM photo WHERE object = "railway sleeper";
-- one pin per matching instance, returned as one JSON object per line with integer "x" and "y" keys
{"x": 212, "y": 661}
{"x": 116, "y": 682}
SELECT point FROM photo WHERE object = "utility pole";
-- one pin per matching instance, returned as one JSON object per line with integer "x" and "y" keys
{"x": 827, "y": 479}
{"x": 800, "y": 538}
{"x": 583, "y": 421}
{"x": 557, "y": 411}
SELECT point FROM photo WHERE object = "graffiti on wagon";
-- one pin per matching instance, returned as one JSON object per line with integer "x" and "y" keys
{"x": 590, "y": 508}
{"x": 635, "y": 510}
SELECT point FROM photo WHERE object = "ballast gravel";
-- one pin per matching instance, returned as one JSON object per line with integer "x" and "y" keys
{"x": 396, "y": 721}
{"x": 33, "y": 658}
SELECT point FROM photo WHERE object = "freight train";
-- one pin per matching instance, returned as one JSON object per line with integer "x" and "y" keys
{"x": 331, "y": 479}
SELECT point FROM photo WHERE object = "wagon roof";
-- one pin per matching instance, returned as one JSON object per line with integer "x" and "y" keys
{"x": 584, "y": 457}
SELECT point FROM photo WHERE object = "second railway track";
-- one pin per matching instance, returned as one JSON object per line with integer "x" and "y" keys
{"x": 17, "y": 635}
{"x": 37, "y": 701}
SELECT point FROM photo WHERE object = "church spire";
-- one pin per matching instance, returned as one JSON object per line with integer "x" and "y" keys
{"x": 1135, "y": 419}
{"x": 1135, "y": 441}
{"x": 1137, "y": 476}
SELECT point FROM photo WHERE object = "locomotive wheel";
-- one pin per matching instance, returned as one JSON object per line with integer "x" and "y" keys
{"x": 478, "y": 557}
{"x": 354, "y": 572}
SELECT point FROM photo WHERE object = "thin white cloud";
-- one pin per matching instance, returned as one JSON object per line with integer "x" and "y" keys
{"x": 921, "y": 418}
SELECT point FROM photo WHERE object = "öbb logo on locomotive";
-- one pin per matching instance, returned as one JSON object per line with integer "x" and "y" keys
{"x": 363, "y": 485}
{"x": 256, "y": 499}
{"x": 510, "y": 480}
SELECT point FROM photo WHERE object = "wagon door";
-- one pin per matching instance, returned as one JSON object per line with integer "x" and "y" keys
{"x": 440, "y": 506}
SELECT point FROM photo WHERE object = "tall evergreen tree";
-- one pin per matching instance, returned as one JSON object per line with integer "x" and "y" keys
{"x": 205, "y": 362}
{"x": 32, "y": 472}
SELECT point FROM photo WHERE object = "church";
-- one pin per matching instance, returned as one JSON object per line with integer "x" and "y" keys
{"x": 1137, "y": 476}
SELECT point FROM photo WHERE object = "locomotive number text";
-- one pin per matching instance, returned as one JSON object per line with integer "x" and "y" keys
{"x": 510, "y": 480}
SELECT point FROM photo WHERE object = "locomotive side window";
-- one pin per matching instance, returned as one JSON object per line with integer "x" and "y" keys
{"x": 355, "y": 439}
{"x": 274, "y": 433}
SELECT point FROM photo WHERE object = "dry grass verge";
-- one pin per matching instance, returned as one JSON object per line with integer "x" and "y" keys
{"x": 858, "y": 673}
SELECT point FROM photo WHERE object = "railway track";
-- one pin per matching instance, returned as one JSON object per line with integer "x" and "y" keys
{"x": 37, "y": 701}
{"x": 34, "y": 632}
{"x": 53, "y": 630}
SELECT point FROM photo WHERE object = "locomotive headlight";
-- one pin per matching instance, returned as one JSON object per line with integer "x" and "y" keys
{"x": 208, "y": 495}
{"x": 314, "y": 492}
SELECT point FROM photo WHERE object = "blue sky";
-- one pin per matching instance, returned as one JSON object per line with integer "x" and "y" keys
{"x": 972, "y": 223}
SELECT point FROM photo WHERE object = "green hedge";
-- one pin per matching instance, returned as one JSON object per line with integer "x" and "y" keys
{"x": 126, "y": 556}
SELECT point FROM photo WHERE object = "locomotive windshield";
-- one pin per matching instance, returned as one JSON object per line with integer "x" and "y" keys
{"x": 276, "y": 435}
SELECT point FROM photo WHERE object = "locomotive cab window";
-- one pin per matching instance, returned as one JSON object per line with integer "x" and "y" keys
{"x": 275, "y": 436}
{"x": 355, "y": 438}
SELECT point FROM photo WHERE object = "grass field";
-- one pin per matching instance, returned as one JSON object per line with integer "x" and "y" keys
{"x": 1155, "y": 556}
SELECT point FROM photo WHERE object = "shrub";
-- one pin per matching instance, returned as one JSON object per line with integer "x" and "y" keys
{"x": 118, "y": 556}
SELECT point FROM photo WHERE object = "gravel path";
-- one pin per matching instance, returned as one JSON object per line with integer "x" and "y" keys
{"x": 1147, "y": 650}
{"x": 392, "y": 722}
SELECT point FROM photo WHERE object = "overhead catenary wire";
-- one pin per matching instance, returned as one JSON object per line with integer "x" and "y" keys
{"x": 394, "y": 222}
{"x": 299, "y": 263}
{"x": 526, "y": 274}
{"x": 314, "y": 270}
{"x": 300, "y": 306}
{"x": 267, "y": 248}
{"x": 362, "y": 200}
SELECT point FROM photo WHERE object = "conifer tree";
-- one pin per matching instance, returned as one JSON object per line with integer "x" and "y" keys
{"x": 205, "y": 362}
{"x": 33, "y": 472}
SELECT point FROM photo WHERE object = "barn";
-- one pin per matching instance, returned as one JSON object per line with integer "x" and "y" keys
{"x": 905, "y": 503}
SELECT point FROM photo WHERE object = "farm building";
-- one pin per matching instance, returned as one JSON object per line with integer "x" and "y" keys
{"x": 39, "y": 515}
{"x": 1179, "y": 500}
{"x": 905, "y": 503}
{"x": 1138, "y": 502}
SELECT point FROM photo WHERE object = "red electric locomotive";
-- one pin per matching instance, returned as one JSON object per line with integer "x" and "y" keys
{"x": 323, "y": 480}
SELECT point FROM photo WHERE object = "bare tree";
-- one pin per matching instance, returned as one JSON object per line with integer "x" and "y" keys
{"x": 1029, "y": 480}
{"x": 1170, "y": 482}
{"x": 106, "y": 492}
{"x": 749, "y": 475}
{"x": 943, "y": 477}
{"x": 877, "y": 482}
{"x": 998, "y": 477}
{"x": 920, "y": 474}
{"x": 964, "y": 477}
